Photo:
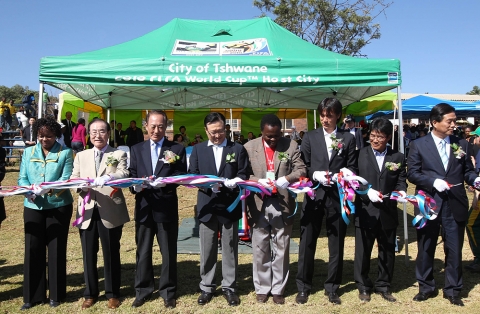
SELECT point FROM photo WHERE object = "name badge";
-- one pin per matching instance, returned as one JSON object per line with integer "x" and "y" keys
{"x": 271, "y": 175}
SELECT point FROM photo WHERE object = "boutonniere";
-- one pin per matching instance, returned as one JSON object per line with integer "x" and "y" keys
{"x": 111, "y": 161}
{"x": 283, "y": 157}
{"x": 170, "y": 157}
{"x": 337, "y": 143}
{"x": 230, "y": 158}
{"x": 392, "y": 166}
{"x": 457, "y": 151}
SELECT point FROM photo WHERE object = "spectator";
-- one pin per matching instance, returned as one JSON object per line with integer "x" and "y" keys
{"x": 29, "y": 133}
{"x": 349, "y": 125}
{"x": 250, "y": 136}
{"x": 120, "y": 135}
{"x": 198, "y": 139}
{"x": 134, "y": 134}
{"x": 22, "y": 119}
{"x": 47, "y": 215}
{"x": 178, "y": 138}
{"x": 186, "y": 140}
{"x": 228, "y": 132}
{"x": 69, "y": 124}
{"x": 61, "y": 139}
{"x": 79, "y": 134}
{"x": 30, "y": 111}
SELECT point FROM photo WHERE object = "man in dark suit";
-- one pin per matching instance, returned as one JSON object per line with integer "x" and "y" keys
{"x": 69, "y": 124}
{"x": 134, "y": 134}
{"x": 376, "y": 218}
{"x": 29, "y": 134}
{"x": 349, "y": 125}
{"x": 120, "y": 135}
{"x": 325, "y": 151}
{"x": 435, "y": 161}
{"x": 221, "y": 157}
{"x": 156, "y": 209}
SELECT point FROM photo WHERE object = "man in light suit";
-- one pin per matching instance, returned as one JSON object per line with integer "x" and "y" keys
{"x": 435, "y": 161}
{"x": 69, "y": 124}
{"x": 272, "y": 157}
{"x": 221, "y": 157}
{"x": 156, "y": 209}
{"x": 105, "y": 213}
{"x": 376, "y": 218}
{"x": 326, "y": 151}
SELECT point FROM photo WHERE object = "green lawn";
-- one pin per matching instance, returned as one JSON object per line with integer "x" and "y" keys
{"x": 404, "y": 284}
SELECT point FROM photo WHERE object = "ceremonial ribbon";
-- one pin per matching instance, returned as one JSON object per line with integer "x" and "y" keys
{"x": 303, "y": 185}
{"x": 426, "y": 205}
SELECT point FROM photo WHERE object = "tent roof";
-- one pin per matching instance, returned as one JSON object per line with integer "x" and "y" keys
{"x": 190, "y": 64}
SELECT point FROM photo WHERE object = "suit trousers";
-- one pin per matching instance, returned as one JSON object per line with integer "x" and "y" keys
{"x": 310, "y": 227}
{"x": 45, "y": 229}
{"x": 453, "y": 233}
{"x": 271, "y": 252}
{"x": 110, "y": 239}
{"x": 209, "y": 252}
{"x": 364, "y": 241}
{"x": 167, "y": 235}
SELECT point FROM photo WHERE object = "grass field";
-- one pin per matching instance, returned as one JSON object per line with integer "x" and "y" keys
{"x": 404, "y": 283}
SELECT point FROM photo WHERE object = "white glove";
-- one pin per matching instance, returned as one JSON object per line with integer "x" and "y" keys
{"x": 402, "y": 198}
{"x": 282, "y": 183}
{"x": 476, "y": 183}
{"x": 216, "y": 188}
{"x": 157, "y": 184}
{"x": 265, "y": 183}
{"x": 232, "y": 183}
{"x": 100, "y": 181}
{"x": 347, "y": 172}
{"x": 321, "y": 177}
{"x": 374, "y": 196}
{"x": 30, "y": 197}
{"x": 139, "y": 187}
{"x": 39, "y": 191}
{"x": 440, "y": 185}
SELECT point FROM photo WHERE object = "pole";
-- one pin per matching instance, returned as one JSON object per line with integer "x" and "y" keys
{"x": 40, "y": 101}
{"x": 402, "y": 149}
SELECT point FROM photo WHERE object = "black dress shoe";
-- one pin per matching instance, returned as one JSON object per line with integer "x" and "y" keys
{"x": 302, "y": 297}
{"x": 454, "y": 300}
{"x": 28, "y": 305}
{"x": 170, "y": 303}
{"x": 423, "y": 296}
{"x": 333, "y": 297}
{"x": 364, "y": 295}
{"x": 231, "y": 297}
{"x": 387, "y": 295}
{"x": 138, "y": 302}
{"x": 204, "y": 298}
{"x": 54, "y": 303}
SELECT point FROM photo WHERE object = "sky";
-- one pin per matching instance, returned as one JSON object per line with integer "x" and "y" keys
{"x": 436, "y": 41}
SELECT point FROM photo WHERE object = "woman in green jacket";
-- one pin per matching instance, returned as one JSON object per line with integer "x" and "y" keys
{"x": 46, "y": 216}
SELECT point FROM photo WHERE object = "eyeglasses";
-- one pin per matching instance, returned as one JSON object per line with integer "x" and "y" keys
{"x": 380, "y": 138}
{"x": 98, "y": 132}
{"x": 216, "y": 133}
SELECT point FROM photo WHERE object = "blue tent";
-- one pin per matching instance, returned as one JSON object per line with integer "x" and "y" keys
{"x": 420, "y": 107}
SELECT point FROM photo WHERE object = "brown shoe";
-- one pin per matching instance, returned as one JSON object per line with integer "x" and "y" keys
{"x": 88, "y": 303}
{"x": 278, "y": 299}
{"x": 113, "y": 303}
{"x": 262, "y": 298}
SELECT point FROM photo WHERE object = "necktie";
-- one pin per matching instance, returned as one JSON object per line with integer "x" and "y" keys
{"x": 31, "y": 134}
{"x": 98, "y": 159}
{"x": 154, "y": 156}
{"x": 443, "y": 153}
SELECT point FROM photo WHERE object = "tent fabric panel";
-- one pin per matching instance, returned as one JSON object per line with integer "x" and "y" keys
{"x": 193, "y": 122}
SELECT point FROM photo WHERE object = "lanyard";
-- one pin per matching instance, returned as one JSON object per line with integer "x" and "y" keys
{"x": 270, "y": 162}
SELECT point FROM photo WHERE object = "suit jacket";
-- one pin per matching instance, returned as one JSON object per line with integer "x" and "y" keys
{"x": 68, "y": 131}
{"x": 202, "y": 161}
{"x": 294, "y": 168}
{"x": 359, "y": 142}
{"x": 161, "y": 203}
{"x": 26, "y": 134}
{"x": 111, "y": 207}
{"x": 134, "y": 136}
{"x": 425, "y": 165}
{"x": 367, "y": 213}
{"x": 315, "y": 155}
{"x": 118, "y": 137}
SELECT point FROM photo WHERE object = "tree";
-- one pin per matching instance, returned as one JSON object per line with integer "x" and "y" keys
{"x": 344, "y": 26}
{"x": 474, "y": 91}
{"x": 16, "y": 92}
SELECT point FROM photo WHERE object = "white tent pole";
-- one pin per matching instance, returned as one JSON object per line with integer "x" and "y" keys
{"x": 393, "y": 134}
{"x": 402, "y": 149}
{"x": 314, "y": 119}
{"x": 108, "y": 115}
{"x": 40, "y": 101}
{"x": 231, "y": 124}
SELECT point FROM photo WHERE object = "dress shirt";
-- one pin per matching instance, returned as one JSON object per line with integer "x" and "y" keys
{"x": 437, "y": 144}
{"x": 328, "y": 141}
{"x": 380, "y": 156}
{"x": 217, "y": 152}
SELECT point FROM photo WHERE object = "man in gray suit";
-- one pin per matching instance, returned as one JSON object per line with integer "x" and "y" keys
{"x": 221, "y": 157}
{"x": 271, "y": 218}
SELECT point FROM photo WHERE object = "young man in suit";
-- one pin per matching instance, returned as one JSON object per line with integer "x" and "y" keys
{"x": 273, "y": 158}
{"x": 326, "y": 151}
{"x": 156, "y": 209}
{"x": 29, "y": 134}
{"x": 223, "y": 158}
{"x": 436, "y": 161}
{"x": 376, "y": 218}
{"x": 68, "y": 132}
{"x": 105, "y": 213}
